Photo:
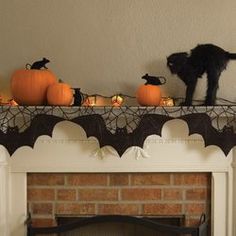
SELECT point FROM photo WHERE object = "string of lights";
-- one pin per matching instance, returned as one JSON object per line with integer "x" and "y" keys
{"x": 117, "y": 99}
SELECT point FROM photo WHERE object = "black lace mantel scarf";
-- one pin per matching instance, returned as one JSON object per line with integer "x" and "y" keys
{"x": 120, "y": 127}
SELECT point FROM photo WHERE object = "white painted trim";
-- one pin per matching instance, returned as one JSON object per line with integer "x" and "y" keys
{"x": 171, "y": 153}
{"x": 234, "y": 191}
{"x": 4, "y": 224}
{"x": 18, "y": 205}
{"x": 219, "y": 205}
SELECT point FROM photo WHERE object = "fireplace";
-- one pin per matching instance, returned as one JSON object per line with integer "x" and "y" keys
{"x": 69, "y": 151}
{"x": 119, "y": 225}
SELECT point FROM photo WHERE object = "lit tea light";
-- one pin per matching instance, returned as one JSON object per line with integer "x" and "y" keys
{"x": 12, "y": 102}
{"x": 167, "y": 102}
{"x": 117, "y": 100}
{"x": 90, "y": 101}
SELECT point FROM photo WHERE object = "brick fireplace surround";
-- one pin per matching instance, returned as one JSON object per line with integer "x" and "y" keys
{"x": 69, "y": 174}
{"x": 137, "y": 194}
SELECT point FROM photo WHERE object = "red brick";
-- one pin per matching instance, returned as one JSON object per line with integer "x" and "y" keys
{"x": 98, "y": 194}
{"x": 42, "y": 208}
{"x": 199, "y": 179}
{"x": 195, "y": 208}
{"x": 66, "y": 194}
{"x": 87, "y": 179}
{"x": 196, "y": 194}
{"x": 162, "y": 209}
{"x": 119, "y": 179}
{"x": 38, "y": 194}
{"x": 45, "y": 179}
{"x": 173, "y": 194}
{"x": 75, "y": 208}
{"x": 122, "y": 209}
{"x": 150, "y": 179}
{"x": 140, "y": 194}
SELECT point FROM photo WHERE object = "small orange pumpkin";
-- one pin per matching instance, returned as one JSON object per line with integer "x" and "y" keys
{"x": 149, "y": 94}
{"x": 59, "y": 94}
{"x": 29, "y": 87}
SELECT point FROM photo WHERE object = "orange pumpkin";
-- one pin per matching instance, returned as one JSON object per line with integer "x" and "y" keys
{"x": 29, "y": 87}
{"x": 59, "y": 94}
{"x": 149, "y": 95}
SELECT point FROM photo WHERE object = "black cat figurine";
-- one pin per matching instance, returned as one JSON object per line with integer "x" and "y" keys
{"x": 38, "y": 65}
{"x": 77, "y": 97}
{"x": 205, "y": 58}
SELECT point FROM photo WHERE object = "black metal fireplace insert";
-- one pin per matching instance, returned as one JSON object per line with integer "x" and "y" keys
{"x": 158, "y": 229}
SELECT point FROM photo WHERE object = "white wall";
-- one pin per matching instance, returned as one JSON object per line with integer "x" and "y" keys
{"x": 105, "y": 46}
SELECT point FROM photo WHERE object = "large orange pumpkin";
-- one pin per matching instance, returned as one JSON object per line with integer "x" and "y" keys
{"x": 59, "y": 94}
{"x": 29, "y": 87}
{"x": 149, "y": 95}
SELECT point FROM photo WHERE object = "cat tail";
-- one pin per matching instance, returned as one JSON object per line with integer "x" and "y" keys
{"x": 231, "y": 55}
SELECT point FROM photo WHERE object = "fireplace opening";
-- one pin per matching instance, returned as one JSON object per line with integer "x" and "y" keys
{"x": 168, "y": 220}
{"x": 120, "y": 225}
{"x": 125, "y": 226}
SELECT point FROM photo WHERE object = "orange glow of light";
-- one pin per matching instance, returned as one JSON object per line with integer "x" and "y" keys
{"x": 90, "y": 101}
{"x": 167, "y": 102}
{"x": 117, "y": 100}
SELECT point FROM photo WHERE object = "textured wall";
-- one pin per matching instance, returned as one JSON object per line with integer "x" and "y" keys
{"x": 105, "y": 46}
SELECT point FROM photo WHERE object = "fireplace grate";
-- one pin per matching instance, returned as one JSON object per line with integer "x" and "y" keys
{"x": 158, "y": 229}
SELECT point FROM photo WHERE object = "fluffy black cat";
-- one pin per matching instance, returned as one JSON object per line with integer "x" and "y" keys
{"x": 205, "y": 58}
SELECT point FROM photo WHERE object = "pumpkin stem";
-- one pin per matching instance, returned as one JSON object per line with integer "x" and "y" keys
{"x": 60, "y": 81}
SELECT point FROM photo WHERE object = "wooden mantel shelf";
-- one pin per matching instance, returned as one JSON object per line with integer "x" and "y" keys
{"x": 119, "y": 127}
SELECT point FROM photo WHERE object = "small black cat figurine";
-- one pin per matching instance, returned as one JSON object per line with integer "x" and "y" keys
{"x": 37, "y": 65}
{"x": 77, "y": 97}
{"x": 205, "y": 58}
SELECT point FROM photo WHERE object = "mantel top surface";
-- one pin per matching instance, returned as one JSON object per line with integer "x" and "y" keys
{"x": 154, "y": 109}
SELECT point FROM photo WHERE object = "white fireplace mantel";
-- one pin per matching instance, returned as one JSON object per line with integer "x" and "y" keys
{"x": 69, "y": 150}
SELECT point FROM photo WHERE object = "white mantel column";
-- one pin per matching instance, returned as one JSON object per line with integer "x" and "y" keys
{"x": 234, "y": 191}
{"x": 4, "y": 194}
